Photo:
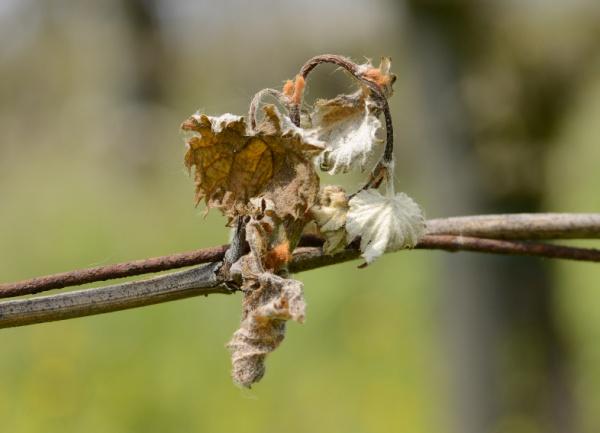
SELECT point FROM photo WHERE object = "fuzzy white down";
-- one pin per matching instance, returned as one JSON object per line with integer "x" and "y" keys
{"x": 220, "y": 122}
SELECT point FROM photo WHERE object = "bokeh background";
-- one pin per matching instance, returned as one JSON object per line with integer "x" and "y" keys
{"x": 496, "y": 108}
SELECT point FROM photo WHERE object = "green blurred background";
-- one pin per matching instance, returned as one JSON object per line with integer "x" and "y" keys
{"x": 497, "y": 109}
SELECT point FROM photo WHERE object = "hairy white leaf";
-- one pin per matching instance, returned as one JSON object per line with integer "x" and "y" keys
{"x": 384, "y": 223}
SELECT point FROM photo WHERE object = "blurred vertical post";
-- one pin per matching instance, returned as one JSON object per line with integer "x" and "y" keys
{"x": 147, "y": 52}
{"x": 506, "y": 354}
{"x": 145, "y": 81}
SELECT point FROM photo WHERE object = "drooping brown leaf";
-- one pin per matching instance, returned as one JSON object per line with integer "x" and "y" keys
{"x": 232, "y": 165}
{"x": 266, "y": 310}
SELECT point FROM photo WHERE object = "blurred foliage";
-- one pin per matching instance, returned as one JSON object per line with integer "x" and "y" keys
{"x": 91, "y": 173}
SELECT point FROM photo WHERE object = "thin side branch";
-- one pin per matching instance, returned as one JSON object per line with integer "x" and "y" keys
{"x": 511, "y": 226}
{"x": 455, "y": 243}
{"x": 308, "y": 258}
{"x": 204, "y": 280}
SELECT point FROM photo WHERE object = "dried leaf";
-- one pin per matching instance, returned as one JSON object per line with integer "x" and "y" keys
{"x": 349, "y": 126}
{"x": 262, "y": 329}
{"x": 330, "y": 216}
{"x": 232, "y": 165}
{"x": 384, "y": 223}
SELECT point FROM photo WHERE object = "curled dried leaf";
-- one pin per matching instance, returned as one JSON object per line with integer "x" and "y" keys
{"x": 330, "y": 216}
{"x": 232, "y": 165}
{"x": 384, "y": 222}
{"x": 349, "y": 126}
{"x": 266, "y": 310}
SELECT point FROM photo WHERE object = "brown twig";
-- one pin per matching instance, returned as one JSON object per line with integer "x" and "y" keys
{"x": 110, "y": 272}
{"x": 307, "y": 258}
{"x": 311, "y": 64}
{"x": 455, "y": 243}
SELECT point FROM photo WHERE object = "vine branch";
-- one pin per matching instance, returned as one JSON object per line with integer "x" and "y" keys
{"x": 487, "y": 234}
{"x": 508, "y": 226}
{"x": 203, "y": 280}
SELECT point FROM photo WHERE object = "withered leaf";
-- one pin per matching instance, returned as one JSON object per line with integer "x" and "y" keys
{"x": 262, "y": 329}
{"x": 330, "y": 216}
{"x": 232, "y": 165}
{"x": 349, "y": 125}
